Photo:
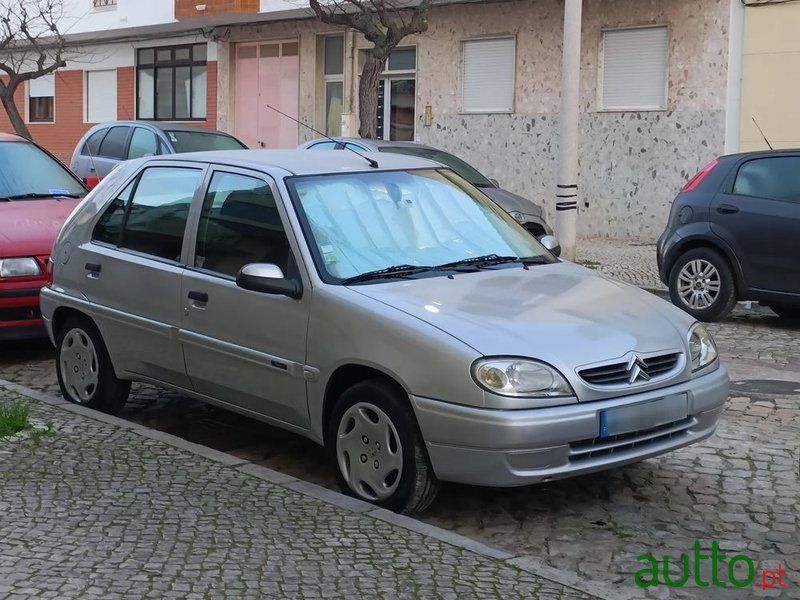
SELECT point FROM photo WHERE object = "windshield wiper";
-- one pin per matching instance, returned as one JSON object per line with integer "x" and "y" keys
{"x": 477, "y": 262}
{"x": 388, "y": 272}
{"x": 36, "y": 195}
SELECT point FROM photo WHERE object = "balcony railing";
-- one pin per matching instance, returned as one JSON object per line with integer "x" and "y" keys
{"x": 104, "y": 3}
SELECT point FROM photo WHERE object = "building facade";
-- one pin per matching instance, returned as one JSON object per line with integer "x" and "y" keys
{"x": 482, "y": 82}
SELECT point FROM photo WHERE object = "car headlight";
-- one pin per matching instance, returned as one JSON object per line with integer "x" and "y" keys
{"x": 520, "y": 378}
{"x": 702, "y": 349}
{"x": 518, "y": 216}
{"x": 19, "y": 267}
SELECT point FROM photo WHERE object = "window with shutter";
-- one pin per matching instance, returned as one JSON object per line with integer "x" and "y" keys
{"x": 634, "y": 69}
{"x": 487, "y": 82}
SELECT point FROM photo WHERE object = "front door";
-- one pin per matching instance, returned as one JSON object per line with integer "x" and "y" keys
{"x": 760, "y": 219}
{"x": 242, "y": 347}
{"x": 267, "y": 74}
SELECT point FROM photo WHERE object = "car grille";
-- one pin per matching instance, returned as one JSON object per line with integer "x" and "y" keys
{"x": 598, "y": 447}
{"x": 21, "y": 313}
{"x": 620, "y": 373}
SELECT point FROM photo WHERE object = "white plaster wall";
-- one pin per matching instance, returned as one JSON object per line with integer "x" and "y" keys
{"x": 81, "y": 17}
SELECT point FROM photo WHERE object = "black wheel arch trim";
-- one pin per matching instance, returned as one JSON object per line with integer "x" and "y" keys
{"x": 704, "y": 241}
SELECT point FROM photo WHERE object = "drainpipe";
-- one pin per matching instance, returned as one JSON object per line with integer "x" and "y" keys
{"x": 733, "y": 108}
{"x": 569, "y": 114}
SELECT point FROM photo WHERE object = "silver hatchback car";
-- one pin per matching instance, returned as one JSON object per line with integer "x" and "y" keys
{"x": 379, "y": 305}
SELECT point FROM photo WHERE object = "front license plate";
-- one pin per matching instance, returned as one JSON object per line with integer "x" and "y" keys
{"x": 645, "y": 415}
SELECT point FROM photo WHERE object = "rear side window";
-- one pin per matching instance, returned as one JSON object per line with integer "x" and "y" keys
{"x": 113, "y": 146}
{"x": 323, "y": 146}
{"x": 92, "y": 145}
{"x": 150, "y": 215}
{"x": 776, "y": 178}
{"x": 200, "y": 141}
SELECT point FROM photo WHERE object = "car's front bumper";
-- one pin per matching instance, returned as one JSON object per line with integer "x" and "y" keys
{"x": 519, "y": 447}
{"x": 20, "y": 317}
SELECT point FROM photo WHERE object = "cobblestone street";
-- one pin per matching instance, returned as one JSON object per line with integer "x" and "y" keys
{"x": 741, "y": 487}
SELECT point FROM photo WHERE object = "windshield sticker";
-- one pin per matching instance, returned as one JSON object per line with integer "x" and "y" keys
{"x": 58, "y": 192}
{"x": 328, "y": 254}
{"x": 173, "y": 138}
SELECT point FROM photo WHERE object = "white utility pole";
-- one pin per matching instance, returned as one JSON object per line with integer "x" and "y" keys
{"x": 569, "y": 114}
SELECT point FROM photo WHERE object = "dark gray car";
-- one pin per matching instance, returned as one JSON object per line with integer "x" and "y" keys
{"x": 527, "y": 213}
{"x": 104, "y": 146}
{"x": 734, "y": 234}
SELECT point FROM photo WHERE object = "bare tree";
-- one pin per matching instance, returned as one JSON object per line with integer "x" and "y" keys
{"x": 31, "y": 46}
{"x": 384, "y": 23}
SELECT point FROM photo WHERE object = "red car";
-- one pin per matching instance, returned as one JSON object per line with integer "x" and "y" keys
{"x": 37, "y": 194}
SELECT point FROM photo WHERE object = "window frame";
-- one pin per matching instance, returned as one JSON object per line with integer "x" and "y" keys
{"x": 172, "y": 66}
{"x": 196, "y": 213}
{"x": 125, "y": 146}
{"x": 191, "y": 220}
{"x": 331, "y": 78}
{"x": 28, "y": 99}
{"x": 601, "y": 62}
{"x": 87, "y": 92}
{"x": 462, "y": 109}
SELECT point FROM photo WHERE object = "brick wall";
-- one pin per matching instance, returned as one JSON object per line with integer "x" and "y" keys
{"x": 185, "y": 9}
{"x": 61, "y": 137}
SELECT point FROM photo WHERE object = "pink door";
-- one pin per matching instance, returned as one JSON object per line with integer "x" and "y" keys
{"x": 267, "y": 75}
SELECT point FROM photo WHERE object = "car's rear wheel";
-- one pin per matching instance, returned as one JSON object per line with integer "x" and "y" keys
{"x": 377, "y": 449}
{"x": 701, "y": 283}
{"x": 85, "y": 373}
{"x": 787, "y": 311}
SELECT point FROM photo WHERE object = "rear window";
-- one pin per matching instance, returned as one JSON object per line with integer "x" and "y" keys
{"x": 201, "y": 141}
{"x": 25, "y": 169}
{"x": 776, "y": 178}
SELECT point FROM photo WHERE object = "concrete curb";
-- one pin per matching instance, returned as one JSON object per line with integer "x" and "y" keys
{"x": 527, "y": 564}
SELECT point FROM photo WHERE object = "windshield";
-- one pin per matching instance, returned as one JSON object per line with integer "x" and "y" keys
{"x": 26, "y": 170}
{"x": 362, "y": 222}
{"x": 201, "y": 141}
{"x": 459, "y": 166}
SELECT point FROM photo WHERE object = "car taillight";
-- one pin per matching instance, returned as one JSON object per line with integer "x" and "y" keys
{"x": 695, "y": 181}
{"x": 49, "y": 272}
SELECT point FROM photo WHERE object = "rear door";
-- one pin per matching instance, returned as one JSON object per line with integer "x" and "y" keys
{"x": 133, "y": 271}
{"x": 243, "y": 347}
{"x": 758, "y": 215}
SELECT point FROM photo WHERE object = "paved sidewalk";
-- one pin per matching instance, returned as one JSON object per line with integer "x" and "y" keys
{"x": 104, "y": 508}
{"x": 629, "y": 261}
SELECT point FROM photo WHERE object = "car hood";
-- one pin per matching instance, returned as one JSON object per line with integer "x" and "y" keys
{"x": 561, "y": 313}
{"x": 29, "y": 227}
{"x": 510, "y": 202}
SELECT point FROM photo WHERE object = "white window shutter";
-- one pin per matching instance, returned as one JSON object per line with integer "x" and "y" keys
{"x": 42, "y": 87}
{"x": 488, "y": 75}
{"x": 635, "y": 68}
{"x": 101, "y": 96}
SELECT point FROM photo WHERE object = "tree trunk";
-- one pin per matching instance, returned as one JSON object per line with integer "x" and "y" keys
{"x": 368, "y": 96}
{"x": 7, "y": 98}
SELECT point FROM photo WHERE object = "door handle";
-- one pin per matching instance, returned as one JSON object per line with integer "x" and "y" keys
{"x": 94, "y": 267}
{"x": 198, "y": 297}
{"x": 727, "y": 209}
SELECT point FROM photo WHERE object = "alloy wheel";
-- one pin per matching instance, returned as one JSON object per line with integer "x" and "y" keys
{"x": 699, "y": 284}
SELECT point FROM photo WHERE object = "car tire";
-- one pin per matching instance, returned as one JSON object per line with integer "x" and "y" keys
{"x": 85, "y": 373}
{"x": 787, "y": 311}
{"x": 701, "y": 283}
{"x": 377, "y": 450}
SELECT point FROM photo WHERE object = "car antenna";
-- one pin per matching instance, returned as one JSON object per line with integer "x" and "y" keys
{"x": 762, "y": 133}
{"x": 91, "y": 158}
{"x": 372, "y": 162}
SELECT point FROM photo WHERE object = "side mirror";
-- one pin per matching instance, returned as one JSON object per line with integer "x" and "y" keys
{"x": 494, "y": 182}
{"x": 551, "y": 243}
{"x": 268, "y": 279}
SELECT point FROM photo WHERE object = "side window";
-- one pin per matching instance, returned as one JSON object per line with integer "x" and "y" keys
{"x": 109, "y": 227}
{"x": 92, "y": 145}
{"x": 156, "y": 216}
{"x": 143, "y": 143}
{"x": 240, "y": 224}
{"x": 355, "y": 147}
{"x": 775, "y": 178}
{"x": 323, "y": 146}
{"x": 113, "y": 145}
